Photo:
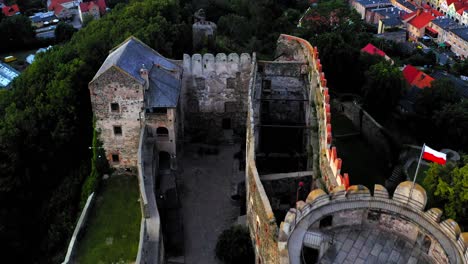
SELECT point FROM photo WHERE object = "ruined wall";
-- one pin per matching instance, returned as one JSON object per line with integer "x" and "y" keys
{"x": 260, "y": 217}
{"x": 329, "y": 161}
{"x": 215, "y": 89}
{"x": 403, "y": 215}
{"x": 372, "y": 131}
{"x": 114, "y": 86}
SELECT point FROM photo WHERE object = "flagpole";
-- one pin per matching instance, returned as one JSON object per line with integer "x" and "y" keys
{"x": 416, "y": 173}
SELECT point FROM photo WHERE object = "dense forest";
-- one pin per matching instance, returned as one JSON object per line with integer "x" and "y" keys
{"x": 46, "y": 164}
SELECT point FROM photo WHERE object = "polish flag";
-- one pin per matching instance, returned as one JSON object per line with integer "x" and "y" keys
{"x": 435, "y": 156}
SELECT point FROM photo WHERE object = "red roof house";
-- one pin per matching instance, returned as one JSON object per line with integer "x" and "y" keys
{"x": 373, "y": 50}
{"x": 415, "y": 77}
{"x": 421, "y": 20}
{"x": 10, "y": 10}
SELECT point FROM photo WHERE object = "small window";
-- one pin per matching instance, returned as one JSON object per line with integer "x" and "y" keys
{"x": 162, "y": 132}
{"x": 117, "y": 130}
{"x": 115, "y": 108}
{"x": 115, "y": 158}
{"x": 159, "y": 110}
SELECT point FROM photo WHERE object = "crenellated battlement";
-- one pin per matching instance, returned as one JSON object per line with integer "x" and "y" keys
{"x": 403, "y": 214}
{"x": 220, "y": 64}
{"x": 329, "y": 161}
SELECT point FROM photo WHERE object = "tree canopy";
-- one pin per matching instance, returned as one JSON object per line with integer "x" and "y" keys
{"x": 382, "y": 89}
{"x": 46, "y": 127}
{"x": 447, "y": 188}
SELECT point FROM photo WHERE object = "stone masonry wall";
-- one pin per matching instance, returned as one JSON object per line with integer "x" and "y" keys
{"x": 260, "y": 218}
{"x": 169, "y": 121}
{"x": 372, "y": 131}
{"x": 329, "y": 161}
{"x": 215, "y": 89}
{"x": 404, "y": 214}
{"x": 115, "y": 86}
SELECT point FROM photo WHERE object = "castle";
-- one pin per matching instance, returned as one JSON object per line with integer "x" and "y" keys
{"x": 282, "y": 108}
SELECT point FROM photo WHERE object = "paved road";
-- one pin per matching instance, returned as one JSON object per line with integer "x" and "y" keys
{"x": 206, "y": 205}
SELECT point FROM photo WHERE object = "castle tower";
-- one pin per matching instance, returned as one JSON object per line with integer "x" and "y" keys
{"x": 203, "y": 32}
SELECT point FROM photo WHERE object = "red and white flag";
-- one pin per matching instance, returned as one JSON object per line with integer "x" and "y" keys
{"x": 435, "y": 156}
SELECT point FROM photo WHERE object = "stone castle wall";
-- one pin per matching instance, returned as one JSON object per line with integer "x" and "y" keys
{"x": 260, "y": 217}
{"x": 214, "y": 92}
{"x": 329, "y": 161}
{"x": 403, "y": 215}
{"x": 114, "y": 86}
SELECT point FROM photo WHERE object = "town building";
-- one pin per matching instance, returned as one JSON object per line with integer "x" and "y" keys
{"x": 63, "y": 8}
{"x": 7, "y": 74}
{"x": 10, "y": 10}
{"x": 364, "y": 6}
{"x": 458, "y": 39}
{"x": 441, "y": 27}
{"x": 43, "y": 18}
{"x": 373, "y": 50}
{"x": 95, "y": 9}
{"x": 416, "y": 26}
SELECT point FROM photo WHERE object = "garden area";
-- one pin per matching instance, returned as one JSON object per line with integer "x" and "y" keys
{"x": 113, "y": 228}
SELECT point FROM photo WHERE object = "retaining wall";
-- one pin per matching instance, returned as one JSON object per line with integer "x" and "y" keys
{"x": 78, "y": 229}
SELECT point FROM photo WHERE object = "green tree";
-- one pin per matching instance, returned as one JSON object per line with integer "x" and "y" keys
{"x": 382, "y": 89}
{"x": 17, "y": 32}
{"x": 234, "y": 246}
{"x": 64, "y": 32}
{"x": 460, "y": 68}
{"x": 452, "y": 125}
{"x": 447, "y": 188}
{"x": 441, "y": 93}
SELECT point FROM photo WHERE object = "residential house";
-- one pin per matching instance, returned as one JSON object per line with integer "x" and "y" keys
{"x": 375, "y": 15}
{"x": 373, "y": 50}
{"x": 458, "y": 40}
{"x": 95, "y": 9}
{"x": 7, "y": 74}
{"x": 404, "y": 5}
{"x": 415, "y": 77}
{"x": 442, "y": 26}
{"x": 416, "y": 26}
{"x": 434, "y": 3}
{"x": 364, "y": 6}
{"x": 63, "y": 8}
{"x": 464, "y": 17}
{"x": 10, "y": 10}
{"x": 444, "y": 5}
{"x": 38, "y": 19}
{"x": 453, "y": 8}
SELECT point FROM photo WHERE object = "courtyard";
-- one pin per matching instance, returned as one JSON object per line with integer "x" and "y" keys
{"x": 207, "y": 177}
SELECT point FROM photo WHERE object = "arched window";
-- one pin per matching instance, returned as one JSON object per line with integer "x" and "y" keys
{"x": 162, "y": 132}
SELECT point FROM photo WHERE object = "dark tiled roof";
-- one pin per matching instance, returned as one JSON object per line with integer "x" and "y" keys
{"x": 392, "y": 21}
{"x": 164, "y": 88}
{"x": 461, "y": 32}
{"x": 164, "y": 76}
{"x": 445, "y": 23}
{"x": 381, "y": 3}
{"x": 131, "y": 55}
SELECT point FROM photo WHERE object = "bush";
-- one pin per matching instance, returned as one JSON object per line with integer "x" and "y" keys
{"x": 234, "y": 246}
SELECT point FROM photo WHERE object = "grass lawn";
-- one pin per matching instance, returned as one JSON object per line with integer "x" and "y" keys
{"x": 113, "y": 230}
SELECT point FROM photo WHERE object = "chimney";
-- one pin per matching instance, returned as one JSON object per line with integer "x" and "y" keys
{"x": 418, "y": 12}
{"x": 144, "y": 76}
